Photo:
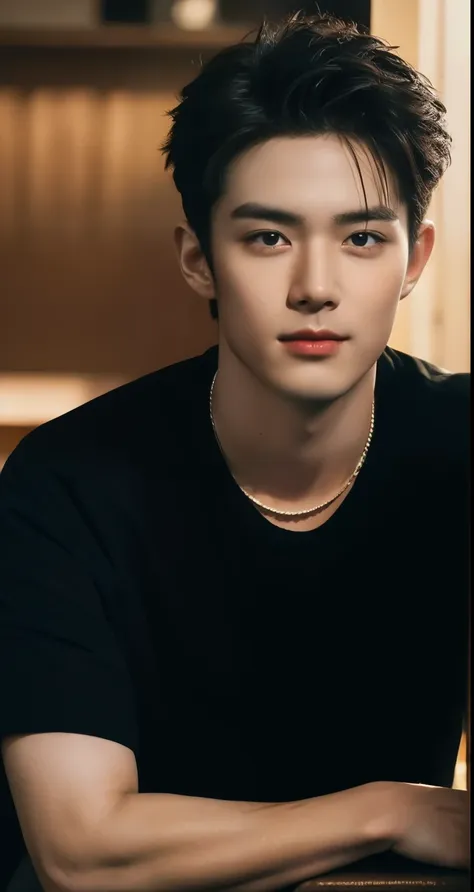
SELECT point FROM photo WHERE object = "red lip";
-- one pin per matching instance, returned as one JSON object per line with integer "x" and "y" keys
{"x": 307, "y": 334}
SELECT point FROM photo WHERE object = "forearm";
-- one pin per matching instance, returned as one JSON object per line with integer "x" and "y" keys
{"x": 155, "y": 842}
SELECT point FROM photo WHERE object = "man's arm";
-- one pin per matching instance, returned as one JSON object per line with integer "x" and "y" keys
{"x": 88, "y": 829}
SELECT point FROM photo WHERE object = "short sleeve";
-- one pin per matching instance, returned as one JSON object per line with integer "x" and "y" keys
{"x": 60, "y": 666}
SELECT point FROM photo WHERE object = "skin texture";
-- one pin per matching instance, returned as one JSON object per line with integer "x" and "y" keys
{"x": 292, "y": 428}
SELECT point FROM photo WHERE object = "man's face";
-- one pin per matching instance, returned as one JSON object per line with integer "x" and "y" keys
{"x": 312, "y": 265}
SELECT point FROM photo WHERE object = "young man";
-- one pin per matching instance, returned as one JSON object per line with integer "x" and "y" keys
{"x": 234, "y": 592}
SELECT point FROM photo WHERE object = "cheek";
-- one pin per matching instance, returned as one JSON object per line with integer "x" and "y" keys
{"x": 378, "y": 286}
{"x": 249, "y": 313}
{"x": 391, "y": 278}
{"x": 245, "y": 285}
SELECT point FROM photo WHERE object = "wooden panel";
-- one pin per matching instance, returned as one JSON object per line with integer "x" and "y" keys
{"x": 91, "y": 283}
{"x": 123, "y": 36}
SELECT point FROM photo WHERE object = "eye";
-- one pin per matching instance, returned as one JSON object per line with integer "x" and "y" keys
{"x": 267, "y": 238}
{"x": 362, "y": 239}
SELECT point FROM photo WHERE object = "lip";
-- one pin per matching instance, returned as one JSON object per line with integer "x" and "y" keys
{"x": 313, "y": 348}
{"x": 316, "y": 344}
{"x": 307, "y": 334}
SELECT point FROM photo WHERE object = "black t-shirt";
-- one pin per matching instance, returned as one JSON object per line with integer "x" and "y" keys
{"x": 145, "y": 600}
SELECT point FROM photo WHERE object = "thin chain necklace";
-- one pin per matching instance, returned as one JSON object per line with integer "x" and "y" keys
{"x": 307, "y": 511}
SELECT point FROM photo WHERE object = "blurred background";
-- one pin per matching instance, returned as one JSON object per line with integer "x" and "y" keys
{"x": 91, "y": 295}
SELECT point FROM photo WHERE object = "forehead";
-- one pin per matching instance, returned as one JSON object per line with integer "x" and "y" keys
{"x": 307, "y": 174}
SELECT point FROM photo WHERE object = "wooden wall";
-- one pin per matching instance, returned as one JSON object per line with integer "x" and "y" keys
{"x": 90, "y": 281}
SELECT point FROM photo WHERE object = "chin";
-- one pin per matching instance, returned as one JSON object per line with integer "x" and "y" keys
{"x": 312, "y": 385}
{"x": 320, "y": 381}
{"x": 312, "y": 393}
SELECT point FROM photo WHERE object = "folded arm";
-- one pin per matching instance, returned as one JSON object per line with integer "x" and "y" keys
{"x": 88, "y": 829}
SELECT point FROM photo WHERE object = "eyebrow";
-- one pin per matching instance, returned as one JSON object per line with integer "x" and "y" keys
{"x": 254, "y": 211}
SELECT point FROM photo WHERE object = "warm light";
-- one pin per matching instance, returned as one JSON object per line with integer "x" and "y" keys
{"x": 29, "y": 399}
{"x": 193, "y": 15}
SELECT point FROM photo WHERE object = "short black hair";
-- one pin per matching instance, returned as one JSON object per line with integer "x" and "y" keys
{"x": 307, "y": 75}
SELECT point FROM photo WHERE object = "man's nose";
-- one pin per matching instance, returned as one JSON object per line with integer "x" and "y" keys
{"x": 313, "y": 284}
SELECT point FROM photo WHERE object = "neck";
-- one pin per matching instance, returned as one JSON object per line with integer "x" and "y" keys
{"x": 283, "y": 449}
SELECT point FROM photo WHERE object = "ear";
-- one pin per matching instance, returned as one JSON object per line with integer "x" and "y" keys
{"x": 419, "y": 256}
{"x": 193, "y": 263}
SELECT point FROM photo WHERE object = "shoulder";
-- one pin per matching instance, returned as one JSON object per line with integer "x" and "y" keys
{"x": 424, "y": 383}
{"x": 425, "y": 377}
{"x": 431, "y": 405}
{"x": 120, "y": 424}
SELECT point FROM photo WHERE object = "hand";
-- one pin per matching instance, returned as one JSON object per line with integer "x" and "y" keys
{"x": 431, "y": 824}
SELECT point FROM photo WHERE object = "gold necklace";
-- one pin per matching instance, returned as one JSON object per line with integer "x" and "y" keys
{"x": 307, "y": 511}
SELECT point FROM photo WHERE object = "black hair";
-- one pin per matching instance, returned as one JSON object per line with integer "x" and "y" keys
{"x": 307, "y": 75}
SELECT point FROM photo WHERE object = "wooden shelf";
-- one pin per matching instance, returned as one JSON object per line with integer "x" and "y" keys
{"x": 123, "y": 37}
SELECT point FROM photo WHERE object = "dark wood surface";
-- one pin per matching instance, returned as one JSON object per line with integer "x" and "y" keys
{"x": 388, "y": 872}
{"x": 448, "y": 881}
